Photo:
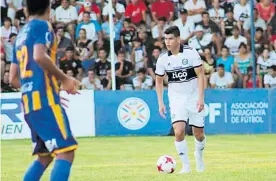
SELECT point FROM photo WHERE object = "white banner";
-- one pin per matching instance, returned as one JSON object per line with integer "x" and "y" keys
{"x": 80, "y": 111}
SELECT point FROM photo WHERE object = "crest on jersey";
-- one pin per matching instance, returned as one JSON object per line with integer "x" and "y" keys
{"x": 184, "y": 61}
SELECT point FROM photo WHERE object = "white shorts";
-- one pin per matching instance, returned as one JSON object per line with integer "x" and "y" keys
{"x": 182, "y": 111}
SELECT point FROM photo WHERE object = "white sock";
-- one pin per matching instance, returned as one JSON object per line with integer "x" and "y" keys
{"x": 182, "y": 150}
{"x": 200, "y": 145}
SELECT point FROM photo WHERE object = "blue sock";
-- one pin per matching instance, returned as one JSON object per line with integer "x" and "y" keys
{"x": 61, "y": 170}
{"x": 34, "y": 172}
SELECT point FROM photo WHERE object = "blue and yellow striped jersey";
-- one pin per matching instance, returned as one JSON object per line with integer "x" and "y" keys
{"x": 39, "y": 88}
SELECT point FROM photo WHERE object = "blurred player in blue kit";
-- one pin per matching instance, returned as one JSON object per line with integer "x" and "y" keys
{"x": 34, "y": 70}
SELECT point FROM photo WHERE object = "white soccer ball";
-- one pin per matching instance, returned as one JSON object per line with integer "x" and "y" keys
{"x": 166, "y": 164}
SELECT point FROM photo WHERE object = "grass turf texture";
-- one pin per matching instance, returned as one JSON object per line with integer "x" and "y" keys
{"x": 227, "y": 158}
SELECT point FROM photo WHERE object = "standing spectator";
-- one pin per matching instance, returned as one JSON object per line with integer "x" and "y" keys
{"x": 195, "y": 9}
{"x": 266, "y": 9}
{"x": 7, "y": 29}
{"x": 136, "y": 11}
{"x": 124, "y": 71}
{"x": 91, "y": 82}
{"x": 9, "y": 48}
{"x": 162, "y": 8}
{"x": 138, "y": 55}
{"x": 117, "y": 9}
{"x": 209, "y": 64}
{"x": 263, "y": 63}
{"x": 127, "y": 35}
{"x": 142, "y": 81}
{"x": 5, "y": 85}
{"x": 95, "y": 9}
{"x": 185, "y": 26}
{"x": 228, "y": 25}
{"x": 153, "y": 60}
{"x": 241, "y": 12}
{"x": 14, "y": 6}
{"x": 221, "y": 79}
{"x": 102, "y": 66}
{"x": 270, "y": 79}
{"x": 233, "y": 42}
{"x": 20, "y": 16}
{"x": 242, "y": 61}
{"x": 217, "y": 14}
{"x": 87, "y": 8}
{"x": 69, "y": 62}
{"x": 62, "y": 42}
{"x": 248, "y": 79}
{"x": 159, "y": 29}
{"x": 226, "y": 60}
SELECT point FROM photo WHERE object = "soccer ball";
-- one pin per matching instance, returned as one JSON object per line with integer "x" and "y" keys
{"x": 166, "y": 164}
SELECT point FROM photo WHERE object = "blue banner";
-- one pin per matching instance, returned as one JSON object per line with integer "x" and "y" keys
{"x": 237, "y": 111}
{"x": 129, "y": 113}
{"x": 273, "y": 110}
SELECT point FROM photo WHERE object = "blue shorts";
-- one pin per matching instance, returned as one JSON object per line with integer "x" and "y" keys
{"x": 51, "y": 133}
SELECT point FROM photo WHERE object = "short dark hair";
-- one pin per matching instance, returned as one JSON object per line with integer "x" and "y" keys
{"x": 205, "y": 12}
{"x": 70, "y": 48}
{"x": 142, "y": 70}
{"x": 259, "y": 29}
{"x": 91, "y": 70}
{"x": 249, "y": 69}
{"x": 82, "y": 29}
{"x": 121, "y": 52}
{"x": 243, "y": 45}
{"x": 225, "y": 47}
{"x": 82, "y": 45}
{"x": 7, "y": 19}
{"x": 157, "y": 47}
{"x": 221, "y": 65}
{"x": 86, "y": 12}
{"x": 127, "y": 20}
{"x": 162, "y": 19}
{"x": 173, "y": 30}
{"x": 101, "y": 49}
{"x": 236, "y": 28}
{"x": 35, "y": 7}
{"x": 273, "y": 67}
{"x": 12, "y": 35}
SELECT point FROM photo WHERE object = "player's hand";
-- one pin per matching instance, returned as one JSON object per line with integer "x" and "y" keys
{"x": 162, "y": 110}
{"x": 70, "y": 85}
{"x": 200, "y": 105}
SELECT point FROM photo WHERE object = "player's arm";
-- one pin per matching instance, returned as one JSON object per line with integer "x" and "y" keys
{"x": 14, "y": 79}
{"x": 159, "y": 78}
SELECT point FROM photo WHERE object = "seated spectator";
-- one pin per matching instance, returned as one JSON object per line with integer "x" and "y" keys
{"x": 5, "y": 85}
{"x": 91, "y": 82}
{"x": 62, "y": 42}
{"x": 162, "y": 8}
{"x": 209, "y": 64}
{"x": 228, "y": 24}
{"x": 195, "y": 8}
{"x": 216, "y": 13}
{"x": 152, "y": 61}
{"x": 233, "y": 42}
{"x": 260, "y": 41}
{"x": 221, "y": 79}
{"x": 124, "y": 71}
{"x": 136, "y": 11}
{"x": 81, "y": 74}
{"x": 69, "y": 62}
{"x": 117, "y": 9}
{"x": 241, "y": 12}
{"x": 270, "y": 78}
{"x": 102, "y": 65}
{"x": 7, "y": 29}
{"x": 20, "y": 16}
{"x": 185, "y": 26}
{"x": 266, "y": 9}
{"x": 242, "y": 61}
{"x": 70, "y": 72}
{"x": 201, "y": 40}
{"x": 94, "y": 9}
{"x": 107, "y": 81}
{"x": 248, "y": 79}
{"x": 142, "y": 81}
{"x": 9, "y": 48}
{"x": 226, "y": 60}
{"x": 159, "y": 29}
{"x": 87, "y": 8}
{"x": 127, "y": 35}
{"x": 272, "y": 53}
{"x": 138, "y": 55}
{"x": 263, "y": 63}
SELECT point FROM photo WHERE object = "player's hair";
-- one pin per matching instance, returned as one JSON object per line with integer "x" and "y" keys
{"x": 142, "y": 70}
{"x": 221, "y": 65}
{"x": 205, "y": 12}
{"x": 157, "y": 48}
{"x": 225, "y": 47}
{"x": 35, "y": 7}
{"x": 243, "y": 45}
{"x": 173, "y": 30}
{"x": 273, "y": 67}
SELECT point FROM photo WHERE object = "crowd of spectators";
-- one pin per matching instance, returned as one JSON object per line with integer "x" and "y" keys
{"x": 218, "y": 29}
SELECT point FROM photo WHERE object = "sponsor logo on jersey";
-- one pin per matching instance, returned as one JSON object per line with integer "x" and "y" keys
{"x": 181, "y": 75}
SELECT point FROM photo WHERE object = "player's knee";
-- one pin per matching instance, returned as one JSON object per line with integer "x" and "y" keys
{"x": 45, "y": 160}
{"x": 199, "y": 134}
{"x": 69, "y": 156}
{"x": 179, "y": 133}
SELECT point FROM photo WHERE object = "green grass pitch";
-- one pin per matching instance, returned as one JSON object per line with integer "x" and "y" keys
{"x": 227, "y": 158}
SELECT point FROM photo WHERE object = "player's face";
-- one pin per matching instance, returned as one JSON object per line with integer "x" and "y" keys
{"x": 221, "y": 71}
{"x": 156, "y": 53}
{"x": 171, "y": 41}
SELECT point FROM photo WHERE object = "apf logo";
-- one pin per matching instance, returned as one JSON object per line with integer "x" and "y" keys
{"x": 133, "y": 113}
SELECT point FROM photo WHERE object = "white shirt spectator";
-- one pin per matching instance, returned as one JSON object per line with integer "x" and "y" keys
{"x": 199, "y": 44}
{"x": 241, "y": 13}
{"x": 5, "y": 33}
{"x": 233, "y": 44}
{"x": 272, "y": 56}
{"x": 146, "y": 85}
{"x": 221, "y": 82}
{"x": 185, "y": 29}
{"x": 271, "y": 81}
{"x": 263, "y": 63}
{"x": 91, "y": 32}
{"x": 189, "y": 5}
{"x": 66, "y": 15}
{"x": 88, "y": 85}
{"x": 11, "y": 12}
{"x": 155, "y": 31}
{"x": 119, "y": 8}
{"x": 214, "y": 17}
{"x": 259, "y": 23}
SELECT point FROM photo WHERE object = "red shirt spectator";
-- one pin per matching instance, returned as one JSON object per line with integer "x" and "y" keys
{"x": 136, "y": 11}
{"x": 162, "y": 8}
{"x": 266, "y": 10}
